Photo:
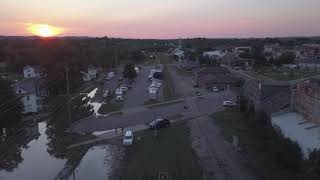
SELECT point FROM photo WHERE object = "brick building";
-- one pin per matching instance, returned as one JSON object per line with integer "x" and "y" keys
{"x": 306, "y": 100}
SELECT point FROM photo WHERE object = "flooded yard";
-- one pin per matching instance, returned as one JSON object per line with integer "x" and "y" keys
{"x": 41, "y": 151}
{"x": 36, "y": 162}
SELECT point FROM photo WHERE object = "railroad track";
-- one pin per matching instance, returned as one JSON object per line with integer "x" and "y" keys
{"x": 220, "y": 162}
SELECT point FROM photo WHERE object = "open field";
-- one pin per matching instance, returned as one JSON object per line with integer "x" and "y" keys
{"x": 168, "y": 86}
{"x": 170, "y": 152}
{"x": 287, "y": 74}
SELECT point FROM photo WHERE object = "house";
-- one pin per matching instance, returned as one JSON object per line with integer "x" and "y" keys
{"x": 267, "y": 96}
{"x": 302, "y": 123}
{"x": 200, "y": 78}
{"x": 293, "y": 126}
{"x": 85, "y": 76}
{"x": 177, "y": 54}
{"x": 32, "y": 92}
{"x": 240, "y": 50}
{"x": 90, "y": 74}
{"x": 34, "y": 72}
{"x": 214, "y": 55}
{"x": 306, "y": 100}
{"x": 92, "y": 71}
{"x": 310, "y": 51}
{"x": 271, "y": 51}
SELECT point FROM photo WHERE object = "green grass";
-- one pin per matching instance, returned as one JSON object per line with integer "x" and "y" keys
{"x": 258, "y": 158}
{"x": 110, "y": 107}
{"x": 168, "y": 86}
{"x": 169, "y": 152}
{"x": 183, "y": 72}
{"x": 150, "y": 102}
{"x": 286, "y": 74}
{"x": 153, "y": 104}
{"x": 164, "y": 58}
{"x": 232, "y": 124}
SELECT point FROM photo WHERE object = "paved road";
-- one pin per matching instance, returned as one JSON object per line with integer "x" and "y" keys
{"x": 140, "y": 115}
{"x": 138, "y": 94}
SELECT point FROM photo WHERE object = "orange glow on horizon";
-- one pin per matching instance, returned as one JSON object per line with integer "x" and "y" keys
{"x": 44, "y": 30}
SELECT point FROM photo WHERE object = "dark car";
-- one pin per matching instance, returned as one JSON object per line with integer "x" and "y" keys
{"x": 159, "y": 123}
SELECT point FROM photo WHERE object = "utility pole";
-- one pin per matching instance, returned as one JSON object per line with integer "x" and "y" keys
{"x": 68, "y": 95}
{"x": 67, "y": 79}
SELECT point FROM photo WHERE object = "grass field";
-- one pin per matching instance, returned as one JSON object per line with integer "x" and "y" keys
{"x": 286, "y": 74}
{"x": 169, "y": 152}
{"x": 259, "y": 159}
{"x": 168, "y": 86}
{"x": 164, "y": 58}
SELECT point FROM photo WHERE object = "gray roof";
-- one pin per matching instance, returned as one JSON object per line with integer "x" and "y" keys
{"x": 213, "y": 79}
{"x": 30, "y": 85}
{"x": 214, "y": 70}
{"x": 270, "y": 90}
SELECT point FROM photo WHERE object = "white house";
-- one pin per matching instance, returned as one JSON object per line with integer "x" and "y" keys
{"x": 85, "y": 76}
{"x": 33, "y": 72}
{"x": 178, "y": 53}
{"x": 215, "y": 55}
{"x": 32, "y": 92}
{"x": 240, "y": 50}
{"x": 92, "y": 71}
{"x": 90, "y": 75}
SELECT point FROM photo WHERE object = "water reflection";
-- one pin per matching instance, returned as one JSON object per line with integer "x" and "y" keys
{"x": 40, "y": 152}
{"x": 99, "y": 163}
{"x": 34, "y": 161}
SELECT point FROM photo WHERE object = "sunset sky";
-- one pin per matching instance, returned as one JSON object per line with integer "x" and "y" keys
{"x": 164, "y": 18}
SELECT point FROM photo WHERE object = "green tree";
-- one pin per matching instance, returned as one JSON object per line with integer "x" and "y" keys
{"x": 285, "y": 58}
{"x": 10, "y": 106}
{"x": 129, "y": 71}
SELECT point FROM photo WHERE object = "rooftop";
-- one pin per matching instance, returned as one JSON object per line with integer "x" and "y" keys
{"x": 214, "y": 70}
{"x": 295, "y": 127}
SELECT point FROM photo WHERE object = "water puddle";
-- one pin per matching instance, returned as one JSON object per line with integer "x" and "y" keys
{"x": 99, "y": 163}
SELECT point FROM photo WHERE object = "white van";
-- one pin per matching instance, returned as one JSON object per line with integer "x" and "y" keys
{"x": 128, "y": 138}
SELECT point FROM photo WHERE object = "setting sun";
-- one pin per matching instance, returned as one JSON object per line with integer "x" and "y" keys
{"x": 44, "y": 30}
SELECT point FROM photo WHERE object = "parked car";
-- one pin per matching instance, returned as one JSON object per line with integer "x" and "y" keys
{"x": 120, "y": 78}
{"x": 128, "y": 138}
{"x": 119, "y": 99}
{"x": 215, "y": 89}
{"x": 229, "y": 104}
{"x": 106, "y": 94}
{"x": 198, "y": 93}
{"x": 110, "y": 76}
{"x": 124, "y": 88}
{"x": 159, "y": 123}
{"x": 119, "y": 92}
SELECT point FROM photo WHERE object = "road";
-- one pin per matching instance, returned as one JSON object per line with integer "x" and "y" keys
{"x": 138, "y": 94}
{"x": 219, "y": 159}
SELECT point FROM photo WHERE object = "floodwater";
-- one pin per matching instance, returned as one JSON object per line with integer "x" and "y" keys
{"x": 37, "y": 163}
{"x": 98, "y": 163}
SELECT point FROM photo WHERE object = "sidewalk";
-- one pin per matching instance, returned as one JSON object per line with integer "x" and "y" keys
{"x": 109, "y": 134}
